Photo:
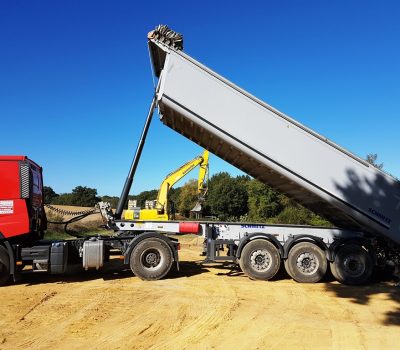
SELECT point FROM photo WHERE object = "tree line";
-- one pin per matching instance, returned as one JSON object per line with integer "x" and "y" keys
{"x": 242, "y": 198}
{"x": 229, "y": 198}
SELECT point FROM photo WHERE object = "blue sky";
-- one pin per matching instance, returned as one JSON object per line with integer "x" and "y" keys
{"x": 75, "y": 79}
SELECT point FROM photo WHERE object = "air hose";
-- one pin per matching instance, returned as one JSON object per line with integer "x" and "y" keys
{"x": 77, "y": 215}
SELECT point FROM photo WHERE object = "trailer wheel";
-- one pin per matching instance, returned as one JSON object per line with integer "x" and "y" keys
{"x": 260, "y": 260}
{"x": 306, "y": 263}
{"x": 4, "y": 266}
{"x": 151, "y": 259}
{"x": 353, "y": 265}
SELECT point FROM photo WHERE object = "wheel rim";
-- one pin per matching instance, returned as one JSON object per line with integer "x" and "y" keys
{"x": 353, "y": 265}
{"x": 260, "y": 260}
{"x": 307, "y": 263}
{"x": 151, "y": 258}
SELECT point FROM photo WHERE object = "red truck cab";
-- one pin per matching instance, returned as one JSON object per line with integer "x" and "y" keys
{"x": 21, "y": 198}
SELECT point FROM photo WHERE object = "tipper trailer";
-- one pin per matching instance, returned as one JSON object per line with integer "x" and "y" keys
{"x": 362, "y": 201}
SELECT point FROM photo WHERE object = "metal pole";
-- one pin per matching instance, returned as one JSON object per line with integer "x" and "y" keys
{"x": 128, "y": 182}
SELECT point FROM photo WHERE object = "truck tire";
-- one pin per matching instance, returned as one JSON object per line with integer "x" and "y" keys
{"x": 151, "y": 259}
{"x": 260, "y": 260}
{"x": 306, "y": 263}
{"x": 4, "y": 266}
{"x": 353, "y": 265}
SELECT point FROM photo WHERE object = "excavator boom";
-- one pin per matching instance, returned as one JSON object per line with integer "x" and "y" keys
{"x": 160, "y": 210}
{"x": 178, "y": 174}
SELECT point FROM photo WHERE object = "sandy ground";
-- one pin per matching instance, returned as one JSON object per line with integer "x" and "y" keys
{"x": 202, "y": 307}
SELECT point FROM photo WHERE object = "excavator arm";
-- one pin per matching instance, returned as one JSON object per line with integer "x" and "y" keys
{"x": 160, "y": 210}
{"x": 202, "y": 186}
{"x": 175, "y": 176}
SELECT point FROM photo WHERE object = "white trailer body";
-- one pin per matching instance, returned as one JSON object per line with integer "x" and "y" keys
{"x": 272, "y": 147}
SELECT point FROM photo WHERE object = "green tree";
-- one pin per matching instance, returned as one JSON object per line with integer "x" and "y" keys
{"x": 85, "y": 196}
{"x": 113, "y": 200}
{"x": 263, "y": 202}
{"x": 48, "y": 194}
{"x": 187, "y": 197}
{"x": 174, "y": 196}
{"x": 64, "y": 199}
{"x": 81, "y": 196}
{"x": 227, "y": 196}
{"x": 144, "y": 196}
{"x": 372, "y": 159}
{"x": 295, "y": 214}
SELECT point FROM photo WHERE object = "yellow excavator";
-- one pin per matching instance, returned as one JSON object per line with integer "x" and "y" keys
{"x": 161, "y": 209}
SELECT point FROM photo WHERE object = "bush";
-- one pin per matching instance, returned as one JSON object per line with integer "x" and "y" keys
{"x": 298, "y": 215}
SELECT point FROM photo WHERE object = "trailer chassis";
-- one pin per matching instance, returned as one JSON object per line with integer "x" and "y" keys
{"x": 150, "y": 250}
{"x": 260, "y": 249}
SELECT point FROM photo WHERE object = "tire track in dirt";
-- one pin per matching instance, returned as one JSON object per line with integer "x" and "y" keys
{"x": 356, "y": 324}
{"x": 40, "y": 302}
{"x": 215, "y": 304}
{"x": 258, "y": 319}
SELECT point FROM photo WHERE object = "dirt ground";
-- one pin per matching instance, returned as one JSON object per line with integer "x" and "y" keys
{"x": 201, "y": 307}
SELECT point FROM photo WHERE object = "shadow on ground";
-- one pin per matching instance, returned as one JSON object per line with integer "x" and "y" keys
{"x": 362, "y": 295}
{"x": 74, "y": 274}
{"x": 385, "y": 284}
{"x": 113, "y": 271}
{"x": 378, "y": 191}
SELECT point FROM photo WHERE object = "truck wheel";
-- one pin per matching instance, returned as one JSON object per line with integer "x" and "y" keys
{"x": 306, "y": 263}
{"x": 260, "y": 260}
{"x": 4, "y": 266}
{"x": 353, "y": 265}
{"x": 151, "y": 259}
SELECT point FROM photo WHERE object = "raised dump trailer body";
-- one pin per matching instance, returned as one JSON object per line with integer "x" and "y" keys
{"x": 272, "y": 147}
